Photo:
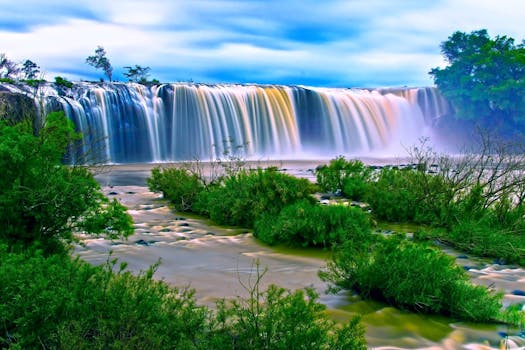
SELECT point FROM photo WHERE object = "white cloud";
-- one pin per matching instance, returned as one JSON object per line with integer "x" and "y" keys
{"x": 341, "y": 42}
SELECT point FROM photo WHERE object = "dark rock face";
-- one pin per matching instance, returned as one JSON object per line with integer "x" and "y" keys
{"x": 16, "y": 107}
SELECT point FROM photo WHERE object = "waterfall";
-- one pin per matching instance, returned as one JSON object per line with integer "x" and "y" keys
{"x": 125, "y": 123}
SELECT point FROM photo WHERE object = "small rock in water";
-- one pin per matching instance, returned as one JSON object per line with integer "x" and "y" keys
{"x": 462, "y": 257}
{"x": 184, "y": 224}
{"x": 130, "y": 192}
{"x": 519, "y": 292}
{"x": 112, "y": 193}
{"x": 500, "y": 262}
{"x": 180, "y": 218}
{"x": 503, "y": 334}
{"x": 325, "y": 196}
{"x": 143, "y": 242}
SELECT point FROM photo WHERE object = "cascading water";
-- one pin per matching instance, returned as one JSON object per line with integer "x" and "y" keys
{"x": 124, "y": 123}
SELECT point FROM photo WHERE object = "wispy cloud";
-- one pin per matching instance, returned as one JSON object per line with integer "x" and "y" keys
{"x": 332, "y": 43}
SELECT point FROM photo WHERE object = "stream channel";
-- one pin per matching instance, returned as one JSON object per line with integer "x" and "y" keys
{"x": 216, "y": 261}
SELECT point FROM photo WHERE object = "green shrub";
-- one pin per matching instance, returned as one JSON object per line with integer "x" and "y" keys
{"x": 59, "y": 303}
{"x": 393, "y": 197}
{"x": 351, "y": 177}
{"x": 7, "y": 80}
{"x": 177, "y": 185}
{"x": 42, "y": 201}
{"x": 279, "y": 319}
{"x": 63, "y": 82}
{"x": 307, "y": 224}
{"x": 246, "y": 195}
{"x": 414, "y": 277}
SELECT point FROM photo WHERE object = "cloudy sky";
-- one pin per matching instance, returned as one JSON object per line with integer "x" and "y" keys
{"x": 343, "y": 43}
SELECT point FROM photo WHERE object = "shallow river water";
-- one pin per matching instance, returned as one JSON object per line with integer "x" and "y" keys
{"x": 217, "y": 261}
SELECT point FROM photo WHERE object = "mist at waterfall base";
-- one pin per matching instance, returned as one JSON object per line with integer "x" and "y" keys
{"x": 133, "y": 123}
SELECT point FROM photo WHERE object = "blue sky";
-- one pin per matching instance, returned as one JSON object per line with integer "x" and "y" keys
{"x": 365, "y": 43}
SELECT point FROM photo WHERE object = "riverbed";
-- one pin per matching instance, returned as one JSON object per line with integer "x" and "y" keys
{"x": 221, "y": 262}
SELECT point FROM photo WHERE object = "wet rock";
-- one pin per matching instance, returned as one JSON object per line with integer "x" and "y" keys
{"x": 325, "y": 196}
{"x": 184, "y": 224}
{"x": 499, "y": 262}
{"x": 166, "y": 229}
{"x": 467, "y": 268}
{"x": 130, "y": 192}
{"x": 210, "y": 234}
{"x": 518, "y": 292}
{"x": 112, "y": 193}
{"x": 463, "y": 256}
{"x": 179, "y": 218}
{"x": 145, "y": 243}
{"x": 503, "y": 334}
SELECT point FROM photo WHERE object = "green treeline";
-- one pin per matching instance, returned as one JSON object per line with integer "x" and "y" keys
{"x": 484, "y": 80}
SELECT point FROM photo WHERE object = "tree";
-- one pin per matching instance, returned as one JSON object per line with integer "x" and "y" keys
{"x": 8, "y": 69}
{"x": 30, "y": 69}
{"x": 137, "y": 73}
{"x": 100, "y": 61}
{"x": 485, "y": 78}
{"x": 42, "y": 201}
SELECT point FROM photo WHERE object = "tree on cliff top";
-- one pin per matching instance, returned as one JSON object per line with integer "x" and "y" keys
{"x": 100, "y": 61}
{"x": 484, "y": 79}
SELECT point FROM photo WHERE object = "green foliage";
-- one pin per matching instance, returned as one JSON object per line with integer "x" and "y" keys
{"x": 307, "y": 224}
{"x": 485, "y": 78}
{"x": 100, "y": 61}
{"x": 7, "y": 80}
{"x": 42, "y": 201}
{"x": 279, "y": 319}
{"x": 514, "y": 315}
{"x": 34, "y": 82}
{"x": 484, "y": 237}
{"x": 414, "y": 277}
{"x": 56, "y": 303}
{"x": 394, "y": 196}
{"x": 137, "y": 73}
{"x": 59, "y": 303}
{"x": 177, "y": 185}
{"x": 59, "y": 81}
{"x": 247, "y": 194}
{"x": 348, "y": 176}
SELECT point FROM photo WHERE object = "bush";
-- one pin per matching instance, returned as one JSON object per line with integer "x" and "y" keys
{"x": 307, "y": 224}
{"x": 351, "y": 177}
{"x": 244, "y": 196}
{"x": 63, "y": 82}
{"x": 393, "y": 197}
{"x": 177, "y": 185}
{"x": 59, "y": 303}
{"x": 42, "y": 201}
{"x": 279, "y": 319}
{"x": 414, "y": 277}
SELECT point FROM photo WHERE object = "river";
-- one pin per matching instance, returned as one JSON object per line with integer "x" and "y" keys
{"x": 217, "y": 261}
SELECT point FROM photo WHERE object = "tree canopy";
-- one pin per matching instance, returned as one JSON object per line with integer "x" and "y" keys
{"x": 42, "y": 201}
{"x": 137, "y": 73}
{"x": 484, "y": 79}
{"x": 100, "y": 61}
